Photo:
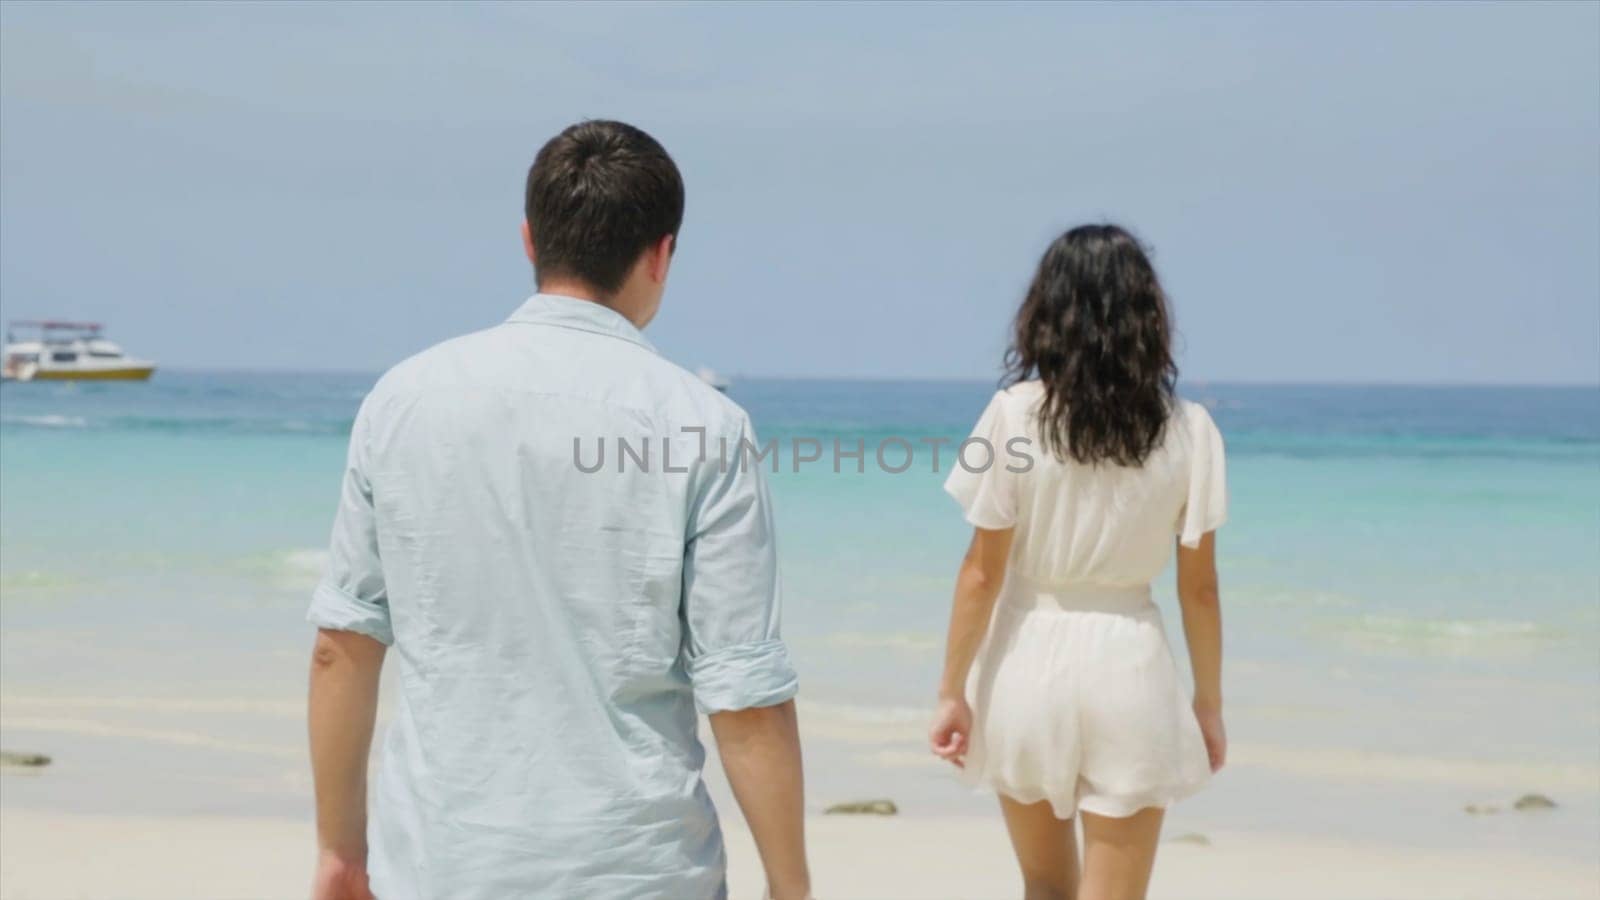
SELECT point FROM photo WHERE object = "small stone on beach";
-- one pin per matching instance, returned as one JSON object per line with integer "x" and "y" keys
{"x": 1533, "y": 801}
{"x": 1474, "y": 809}
{"x": 1193, "y": 837}
{"x": 864, "y": 808}
{"x": 27, "y": 760}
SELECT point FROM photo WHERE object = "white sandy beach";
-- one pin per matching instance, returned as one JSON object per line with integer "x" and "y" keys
{"x": 169, "y": 800}
{"x": 49, "y": 855}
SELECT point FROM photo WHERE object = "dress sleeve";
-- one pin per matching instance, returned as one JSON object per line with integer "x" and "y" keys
{"x": 982, "y": 477}
{"x": 1206, "y": 506}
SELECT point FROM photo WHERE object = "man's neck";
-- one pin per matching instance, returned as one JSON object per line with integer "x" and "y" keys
{"x": 581, "y": 291}
{"x": 574, "y": 289}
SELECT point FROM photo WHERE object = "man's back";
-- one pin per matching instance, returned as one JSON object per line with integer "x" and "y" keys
{"x": 555, "y": 529}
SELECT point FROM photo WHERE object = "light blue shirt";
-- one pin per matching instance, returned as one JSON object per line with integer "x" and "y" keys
{"x": 554, "y": 628}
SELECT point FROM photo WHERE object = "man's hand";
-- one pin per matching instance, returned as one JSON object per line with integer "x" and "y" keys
{"x": 343, "y": 706}
{"x": 760, "y": 751}
{"x": 340, "y": 879}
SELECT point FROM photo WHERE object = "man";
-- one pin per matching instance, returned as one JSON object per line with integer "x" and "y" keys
{"x": 556, "y": 624}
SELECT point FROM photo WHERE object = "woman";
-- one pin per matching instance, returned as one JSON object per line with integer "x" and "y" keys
{"x": 1059, "y": 689}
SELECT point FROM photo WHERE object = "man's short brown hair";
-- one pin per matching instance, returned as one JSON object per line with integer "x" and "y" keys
{"x": 598, "y": 194}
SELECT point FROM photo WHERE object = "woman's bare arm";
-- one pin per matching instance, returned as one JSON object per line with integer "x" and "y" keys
{"x": 1201, "y": 599}
{"x": 983, "y": 571}
{"x": 978, "y": 582}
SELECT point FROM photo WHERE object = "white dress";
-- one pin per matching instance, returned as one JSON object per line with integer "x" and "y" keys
{"x": 1074, "y": 693}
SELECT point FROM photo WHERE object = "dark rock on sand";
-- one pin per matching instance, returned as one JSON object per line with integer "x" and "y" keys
{"x": 1533, "y": 801}
{"x": 863, "y": 808}
{"x": 1193, "y": 837}
{"x": 26, "y": 760}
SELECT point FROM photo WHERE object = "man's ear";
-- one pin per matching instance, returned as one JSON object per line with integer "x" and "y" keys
{"x": 661, "y": 258}
{"x": 527, "y": 242}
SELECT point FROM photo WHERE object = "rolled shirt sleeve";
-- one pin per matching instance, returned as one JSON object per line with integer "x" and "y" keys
{"x": 352, "y": 594}
{"x": 731, "y": 604}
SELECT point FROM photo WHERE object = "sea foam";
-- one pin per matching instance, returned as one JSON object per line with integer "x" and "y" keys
{"x": 46, "y": 421}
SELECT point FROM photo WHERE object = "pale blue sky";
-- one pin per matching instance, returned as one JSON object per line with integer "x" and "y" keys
{"x": 1334, "y": 192}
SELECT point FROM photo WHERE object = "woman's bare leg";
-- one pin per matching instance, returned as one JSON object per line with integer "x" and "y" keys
{"x": 1046, "y": 849}
{"x": 1118, "y": 854}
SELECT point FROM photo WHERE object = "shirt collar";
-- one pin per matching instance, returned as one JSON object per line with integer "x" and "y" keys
{"x": 582, "y": 315}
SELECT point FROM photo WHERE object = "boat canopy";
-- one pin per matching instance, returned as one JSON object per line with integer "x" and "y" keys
{"x": 54, "y": 325}
{"x": 55, "y": 331}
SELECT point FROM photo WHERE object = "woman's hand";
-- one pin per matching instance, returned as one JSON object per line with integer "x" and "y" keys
{"x": 1210, "y": 718}
{"x": 952, "y": 725}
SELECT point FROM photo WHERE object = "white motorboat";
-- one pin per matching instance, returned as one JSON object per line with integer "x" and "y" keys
{"x": 67, "y": 351}
{"x": 709, "y": 376}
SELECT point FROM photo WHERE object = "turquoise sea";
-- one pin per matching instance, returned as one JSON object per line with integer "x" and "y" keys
{"x": 1411, "y": 580}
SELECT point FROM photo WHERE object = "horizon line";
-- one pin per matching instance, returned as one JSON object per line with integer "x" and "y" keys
{"x": 970, "y": 379}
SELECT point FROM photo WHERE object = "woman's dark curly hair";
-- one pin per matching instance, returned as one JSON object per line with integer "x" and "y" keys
{"x": 1095, "y": 329}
